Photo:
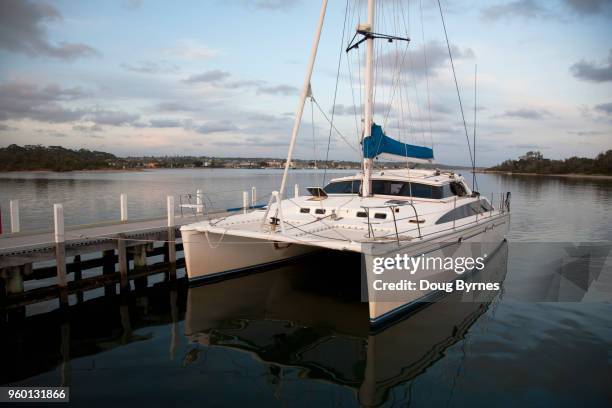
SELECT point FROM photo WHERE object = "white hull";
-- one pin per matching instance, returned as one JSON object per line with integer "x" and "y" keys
{"x": 476, "y": 241}
{"x": 210, "y": 254}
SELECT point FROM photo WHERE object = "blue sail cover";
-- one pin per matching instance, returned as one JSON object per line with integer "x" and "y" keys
{"x": 379, "y": 143}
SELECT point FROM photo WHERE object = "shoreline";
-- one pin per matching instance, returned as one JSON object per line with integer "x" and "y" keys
{"x": 73, "y": 171}
{"x": 567, "y": 175}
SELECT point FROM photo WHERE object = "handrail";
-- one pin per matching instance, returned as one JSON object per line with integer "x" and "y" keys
{"x": 392, "y": 207}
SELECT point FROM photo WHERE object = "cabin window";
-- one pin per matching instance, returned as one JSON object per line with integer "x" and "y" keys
{"x": 362, "y": 214}
{"x": 395, "y": 188}
{"x": 466, "y": 210}
{"x": 380, "y": 216}
{"x": 343, "y": 187}
{"x": 486, "y": 206}
{"x": 305, "y": 210}
{"x": 320, "y": 211}
{"x": 405, "y": 189}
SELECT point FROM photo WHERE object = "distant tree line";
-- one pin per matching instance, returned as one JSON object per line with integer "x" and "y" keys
{"x": 55, "y": 158}
{"x": 534, "y": 162}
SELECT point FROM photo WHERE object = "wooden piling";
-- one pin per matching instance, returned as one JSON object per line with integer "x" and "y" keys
{"x": 14, "y": 281}
{"x": 171, "y": 226}
{"x": 123, "y": 264}
{"x": 14, "y": 216}
{"x": 140, "y": 265}
{"x": 253, "y": 196}
{"x": 108, "y": 268}
{"x": 296, "y": 191}
{"x": 78, "y": 275}
{"x": 60, "y": 247}
{"x": 124, "y": 208}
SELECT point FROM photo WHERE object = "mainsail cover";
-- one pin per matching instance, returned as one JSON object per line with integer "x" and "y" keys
{"x": 380, "y": 144}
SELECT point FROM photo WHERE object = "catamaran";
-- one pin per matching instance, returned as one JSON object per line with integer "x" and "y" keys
{"x": 374, "y": 213}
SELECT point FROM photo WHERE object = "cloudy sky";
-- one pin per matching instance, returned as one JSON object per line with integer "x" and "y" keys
{"x": 221, "y": 78}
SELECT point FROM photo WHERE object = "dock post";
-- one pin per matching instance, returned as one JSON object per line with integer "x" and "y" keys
{"x": 108, "y": 268}
{"x": 199, "y": 201}
{"x": 123, "y": 263}
{"x": 253, "y": 196}
{"x": 174, "y": 312}
{"x": 124, "y": 210}
{"x": 245, "y": 202}
{"x": 78, "y": 275}
{"x": 171, "y": 223}
{"x": 140, "y": 265}
{"x": 296, "y": 190}
{"x": 14, "y": 282}
{"x": 14, "y": 210}
{"x": 60, "y": 246}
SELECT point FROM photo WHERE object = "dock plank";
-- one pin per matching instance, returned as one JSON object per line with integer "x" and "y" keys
{"x": 38, "y": 246}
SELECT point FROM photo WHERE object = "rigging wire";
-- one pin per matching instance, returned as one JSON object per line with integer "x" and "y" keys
{"x": 331, "y": 122}
{"x": 314, "y": 143}
{"x": 450, "y": 55}
{"x": 333, "y": 126}
{"x": 474, "y": 181}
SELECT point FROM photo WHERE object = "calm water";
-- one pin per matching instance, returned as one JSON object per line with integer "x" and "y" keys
{"x": 282, "y": 338}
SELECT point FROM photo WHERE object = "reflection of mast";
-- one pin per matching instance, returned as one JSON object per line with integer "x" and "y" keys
{"x": 369, "y": 97}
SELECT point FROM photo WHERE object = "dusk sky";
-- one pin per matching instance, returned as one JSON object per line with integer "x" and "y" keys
{"x": 221, "y": 78}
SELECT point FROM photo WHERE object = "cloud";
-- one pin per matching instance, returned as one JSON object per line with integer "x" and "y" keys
{"x": 23, "y": 30}
{"x": 349, "y": 110}
{"x": 20, "y": 100}
{"x": 534, "y": 9}
{"x": 273, "y": 5}
{"x": 590, "y": 71}
{"x": 216, "y": 127}
{"x": 518, "y": 8}
{"x": 151, "y": 67}
{"x": 213, "y": 76}
{"x": 528, "y": 146}
{"x": 414, "y": 62}
{"x": 174, "y": 107}
{"x": 527, "y": 113}
{"x": 4, "y": 128}
{"x": 605, "y": 108}
{"x": 87, "y": 128}
{"x": 589, "y": 7}
{"x": 585, "y": 132}
{"x": 277, "y": 90}
{"x": 110, "y": 117}
{"x": 132, "y": 4}
{"x": 57, "y": 134}
{"x": 219, "y": 78}
{"x": 191, "y": 50}
{"x": 165, "y": 123}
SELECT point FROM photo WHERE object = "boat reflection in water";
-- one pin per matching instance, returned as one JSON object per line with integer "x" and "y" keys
{"x": 309, "y": 316}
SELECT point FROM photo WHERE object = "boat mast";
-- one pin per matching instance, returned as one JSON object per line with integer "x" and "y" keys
{"x": 366, "y": 185}
{"x": 303, "y": 96}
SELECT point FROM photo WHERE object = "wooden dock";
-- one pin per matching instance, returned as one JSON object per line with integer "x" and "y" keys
{"x": 72, "y": 259}
{"x": 119, "y": 251}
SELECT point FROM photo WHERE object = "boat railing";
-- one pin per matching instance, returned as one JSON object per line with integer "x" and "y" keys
{"x": 503, "y": 206}
{"x": 392, "y": 208}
